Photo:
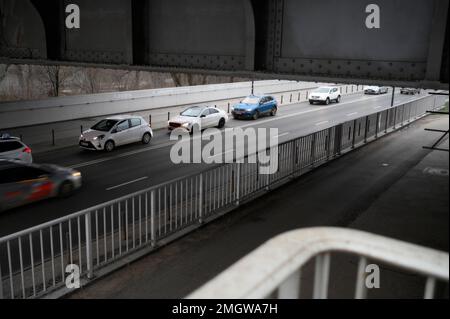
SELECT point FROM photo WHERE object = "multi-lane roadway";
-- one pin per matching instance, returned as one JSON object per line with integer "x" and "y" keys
{"x": 135, "y": 167}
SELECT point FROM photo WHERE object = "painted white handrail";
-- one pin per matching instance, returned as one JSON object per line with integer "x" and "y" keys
{"x": 268, "y": 267}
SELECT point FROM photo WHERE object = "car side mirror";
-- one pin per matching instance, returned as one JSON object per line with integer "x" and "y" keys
{"x": 203, "y": 115}
{"x": 114, "y": 131}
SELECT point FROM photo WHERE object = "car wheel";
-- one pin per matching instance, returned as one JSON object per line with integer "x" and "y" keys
{"x": 338, "y": 99}
{"x": 327, "y": 101}
{"x": 256, "y": 115}
{"x": 311, "y": 102}
{"x": 146, "y": 138}
{"x": 109, "y": 146}
{"x": 221, "y": 123}
{"x": 65, "y": 189}
{"x": 273, "y": 111}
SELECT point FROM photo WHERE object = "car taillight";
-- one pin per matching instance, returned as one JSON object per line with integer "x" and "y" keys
{"x": 27, "y": 150}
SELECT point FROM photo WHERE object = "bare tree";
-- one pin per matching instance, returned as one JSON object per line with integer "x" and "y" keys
{"x": 87, "y": 80}
{"x": 176, "y": 78}
{"x": 3, "y": 71}
{"x": 120, "y": 79}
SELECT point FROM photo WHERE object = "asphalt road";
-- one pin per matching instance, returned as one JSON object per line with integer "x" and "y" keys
{"x": 135, "y": 167}
{"x": 384, "y": 188}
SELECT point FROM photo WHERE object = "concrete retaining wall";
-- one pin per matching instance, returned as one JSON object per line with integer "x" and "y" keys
{"x": 26, "y": 113}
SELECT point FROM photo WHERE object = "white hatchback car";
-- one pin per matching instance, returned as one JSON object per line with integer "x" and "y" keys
{"x": 115, "y": 131}
{"x": 201, "y": 117}
{"x": 13, "y": 148}
{"x": 325, "y": 94}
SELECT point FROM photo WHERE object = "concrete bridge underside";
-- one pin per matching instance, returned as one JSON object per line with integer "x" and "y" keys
{"x": 295, "y": 39}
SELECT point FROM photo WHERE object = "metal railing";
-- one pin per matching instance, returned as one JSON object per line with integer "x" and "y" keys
{"x": 33, "y": 262}
{"x": 275, "y": 267}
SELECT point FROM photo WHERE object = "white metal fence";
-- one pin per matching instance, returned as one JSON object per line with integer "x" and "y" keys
{"x": 275, "y": 267}
{"x": 33, "y": 261}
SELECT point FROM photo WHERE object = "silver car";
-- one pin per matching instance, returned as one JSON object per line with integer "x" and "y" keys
{"x": 374, "y": 89}
{"x": 22, "y": 183}
{"x": 115, "y": 131}
{"x": 14, "y": 148}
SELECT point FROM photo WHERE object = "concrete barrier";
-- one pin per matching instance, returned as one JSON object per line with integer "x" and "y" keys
{"x": 46, "y": 125}
{"x": 26, "y": 113}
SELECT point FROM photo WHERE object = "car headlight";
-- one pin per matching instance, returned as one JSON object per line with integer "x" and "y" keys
{"x": 76, "y": 174}
{"x": 100, "y": 137}
{"x": 186, "y": 125}
{"x": 249, "y": 110}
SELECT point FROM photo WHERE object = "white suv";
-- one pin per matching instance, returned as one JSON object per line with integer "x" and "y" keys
{"x": 13, "y": 148}
{"x": 115, "y": 131}
{"x": 325, "y": 94}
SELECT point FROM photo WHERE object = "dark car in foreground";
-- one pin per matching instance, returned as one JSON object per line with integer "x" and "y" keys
{"x": 22, "y": 183}
{"x": 253, "y": 106}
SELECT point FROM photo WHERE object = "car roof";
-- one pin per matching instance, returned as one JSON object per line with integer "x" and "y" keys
{"x": 7, "y": 137}
{"x": 16, "y": 139}
{"x": 325, "y": 87}
{"x": 198, "y": 107}
{"x": 260, "y": 95}
{"x": 122, "y": 117}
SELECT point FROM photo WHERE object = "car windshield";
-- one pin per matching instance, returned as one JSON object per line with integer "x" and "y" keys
{"x": 104, "y": 125}
{"x": 322, "y": 90}
{"x": 192, "y": 111}
{"x": 251, "y": 100}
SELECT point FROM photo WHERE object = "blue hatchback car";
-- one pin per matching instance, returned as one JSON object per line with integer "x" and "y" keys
{"x": 252, "y": 107}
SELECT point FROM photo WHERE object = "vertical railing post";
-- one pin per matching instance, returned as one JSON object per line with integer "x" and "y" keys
{"x": 238, "y": 180}
{"x": 89, "y": 253}
{"x": 152, "y": 218}
{"x": 338, "y": 139}
{"x": 200, "y": 200}
{"x": 395, "y": 116}
{"x": 321, "y": 276}
{"x": 429, "y": 288}
{"x": 354, "y": 134}
{"x": 290, "y": 288}
{"x": 387, "y": 121}
{"x": 313, "y": 148}
{"x": 360, "y": 290}
{"x": 366, "y": 129}
{"x": 329, "y": 143}
{"x": 377, "y": 125}
{"x": 1, "y": 283}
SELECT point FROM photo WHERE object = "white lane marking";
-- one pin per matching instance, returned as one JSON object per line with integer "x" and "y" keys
{"x": 127, "y": 183}
{"x": 377, "y": 107}
{"x": 105, "y": 159}
{"x": 321, "y": 123}
{"x": 351, "y": 114}
{"x": 146, "y": 149}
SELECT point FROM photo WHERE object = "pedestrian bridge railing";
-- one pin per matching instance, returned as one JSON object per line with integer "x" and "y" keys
{"x": 274, "y": 269}
{"x": 34, "y": 262}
